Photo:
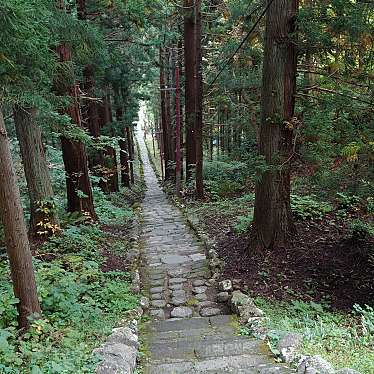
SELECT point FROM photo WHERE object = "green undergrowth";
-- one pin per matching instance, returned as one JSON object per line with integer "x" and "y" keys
{"x": 344, "y": 339}
{"x": 236, "y": 212}
{"x": 80, "y": 302}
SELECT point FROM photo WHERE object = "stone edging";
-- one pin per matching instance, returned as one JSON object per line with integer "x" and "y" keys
{"x": 120, "y": 351}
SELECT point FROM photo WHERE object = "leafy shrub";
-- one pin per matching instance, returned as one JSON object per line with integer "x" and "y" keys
{"x": 73, "y": 218}
{"x": 326, "y": 333}
{"x": 80, "y": 306}
{"x": 308, "y": 208}
{"x": 361, "y": 230}
{"x": 347, "y": 202}
{"x": 366, "y": 314}
{"x": 80, "y": 240}
{"x": 109, "y": 212}
{"x": 244, "y": 223}
{"x": 370, "y": 205}
{"x": 217, "y": 189}
{"x": 222, "y": 178}
{"x": 2, "y": 238}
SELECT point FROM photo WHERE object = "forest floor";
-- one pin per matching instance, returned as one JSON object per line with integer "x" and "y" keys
{"x": 322, "y": 263}
{"x": 320, "y": 285}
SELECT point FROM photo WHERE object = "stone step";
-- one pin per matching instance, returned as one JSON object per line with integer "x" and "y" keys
{"x": 224, "y": 331}
{"x": 259, "y": 364}
{"x": 203, "y": 348}
{"x": 188, "y": 324}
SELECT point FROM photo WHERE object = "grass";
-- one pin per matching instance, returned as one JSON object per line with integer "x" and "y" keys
{"x": 344, "y": 339}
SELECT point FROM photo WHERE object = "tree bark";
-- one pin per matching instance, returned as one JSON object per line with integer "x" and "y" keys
{"x": 164, "y": 118}
{"x": 81, "y": 9}
{"x": 16, "y": 241}
{"x": 36, "y": 171}
{"x": 169, "y": 102}
{"x": 90, "y": 118}
{"x": 109, "y": 167}
{"x": 178, "y": 160}
{"x": 90, "y": 108}
{"x": 78, "y": 186}
{"x": 190, "y": 89}
{"x": 198, "y": 103}
{"x": 273, "y": 224}
{"x": 124, "y": 152}
{"x": 130, "y": 147}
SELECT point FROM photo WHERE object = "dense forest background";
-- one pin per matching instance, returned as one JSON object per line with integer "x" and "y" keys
{"x": 290, "y": 208}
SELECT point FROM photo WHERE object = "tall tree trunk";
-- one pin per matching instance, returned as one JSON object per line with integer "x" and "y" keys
{"x": 228, "y": 133}
{"x": 90, "y": 108}
{"x": 36, "y": 171}
{"x": 131, "y": 148}
{"x": 109, "y": 167}
{"x": 168, "y": 105}
{"x": 310, "y": 79}
{"x": 199, "y": 103}
{"x": 78, "y": 186}
{"x": 273, "y": 224}
{"x": 222, "y": 137}
{"x": 124, "y": 152}
{"x": 211, "y": 136}
{"x": 181, "y": 114}
{"x": 161, "y": 147}
{"x": 190, "y": 90}
{"x": 16, "y": 241}
{"x": 81, "y": 9}
{"x": 90, "y": 118}
{"x": 178, "y": 160}
{"x": 172, "y": 109}
{"x": 164, "y": 117}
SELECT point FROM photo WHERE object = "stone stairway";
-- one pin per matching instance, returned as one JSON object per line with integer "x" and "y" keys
{"x": 205, "y": 345}
{"x": 189, "y": 332}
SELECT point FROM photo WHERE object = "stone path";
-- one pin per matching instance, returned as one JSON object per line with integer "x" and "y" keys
{"x": 189, "y": 331}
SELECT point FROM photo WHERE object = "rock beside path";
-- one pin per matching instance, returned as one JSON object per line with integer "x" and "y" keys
{"x": 181, "y": 312}
{"x": 315, "y": 365}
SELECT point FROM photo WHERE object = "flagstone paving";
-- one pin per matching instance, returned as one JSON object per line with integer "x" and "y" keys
{"x": 189, "y": 332}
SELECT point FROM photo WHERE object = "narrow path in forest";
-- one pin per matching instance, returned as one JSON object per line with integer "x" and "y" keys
{"x": 188, "y": 332}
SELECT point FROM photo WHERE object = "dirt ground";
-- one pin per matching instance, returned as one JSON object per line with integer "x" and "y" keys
{"x": 322, "y": 264}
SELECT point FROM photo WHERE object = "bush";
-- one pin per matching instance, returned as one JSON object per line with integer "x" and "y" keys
{"x": 361, "y": 230}
{"x": 82, "y": 240}
{"x": 222, "y": 178}
{"x": 366, "y": 314}
{"x": 109, "y": 212}
{"x": 308, "y": 208}
{"x": 327, "y": 333}
{"x": 244, "y": 223}
{"x": 370, "y": 205}
{"x": 80, "y": 305}
{"x": 347, "y": 202}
